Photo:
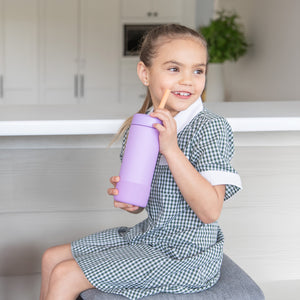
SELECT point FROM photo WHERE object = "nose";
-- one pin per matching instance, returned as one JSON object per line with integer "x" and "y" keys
{"x": 186, "y": 78}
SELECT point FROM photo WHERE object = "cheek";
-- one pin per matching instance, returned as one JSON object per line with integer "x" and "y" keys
{"x": 203, "y": 82}
{"x": 160, "y": 84}
{"x": 201, "y": 85}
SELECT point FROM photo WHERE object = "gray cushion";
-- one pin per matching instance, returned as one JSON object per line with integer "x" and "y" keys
{"x": 234, "y": 284}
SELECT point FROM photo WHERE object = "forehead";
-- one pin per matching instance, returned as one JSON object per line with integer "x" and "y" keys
{"x": 181, "y": 48}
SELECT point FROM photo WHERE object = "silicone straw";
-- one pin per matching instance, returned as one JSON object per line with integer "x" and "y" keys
{"x": 164, "y": 99}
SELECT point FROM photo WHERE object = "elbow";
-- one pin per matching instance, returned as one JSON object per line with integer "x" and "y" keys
{"x": 210, "y": 217}
{"x": 208, "y": 220}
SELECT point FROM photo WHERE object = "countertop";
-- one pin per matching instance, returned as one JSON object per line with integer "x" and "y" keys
{"x": 83, "y": 120}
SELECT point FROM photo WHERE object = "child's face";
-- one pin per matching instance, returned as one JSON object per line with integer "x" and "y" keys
{"x": 180, "y": 66}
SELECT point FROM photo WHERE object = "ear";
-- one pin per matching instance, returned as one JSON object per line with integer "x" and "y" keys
{"x": 143, "y": 73}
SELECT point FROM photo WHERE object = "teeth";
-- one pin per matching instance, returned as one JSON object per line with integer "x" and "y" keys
{"x": 182, "y": 93}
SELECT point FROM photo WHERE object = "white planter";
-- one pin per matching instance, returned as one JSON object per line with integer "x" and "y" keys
{"x": 215, "y": 90}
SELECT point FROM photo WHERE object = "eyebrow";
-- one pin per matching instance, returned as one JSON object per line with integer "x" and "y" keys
{"x": 180, "y": 64}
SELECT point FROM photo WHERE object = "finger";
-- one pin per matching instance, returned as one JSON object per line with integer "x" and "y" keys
{"x": 161, "y": 112}
{"x": 112, "y": 191}
{"x": 114, "y": 180}
{"x": 123, "y": 205}
{"x": 163, "y": 115}
{"x": 133, "y": 208}
{"x": 167, "y": 121}
{"x": 160, "y": 128}
{"x": 164, "y": 118}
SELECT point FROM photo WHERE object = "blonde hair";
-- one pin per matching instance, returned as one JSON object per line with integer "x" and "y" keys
{"x": 148, "y": 51}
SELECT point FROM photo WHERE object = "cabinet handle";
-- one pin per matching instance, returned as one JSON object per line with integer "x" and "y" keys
{"x": 149, "y": 14}
{"x": 155, "y": 14}
{"x": 1, "y": 86}
{"x": 75, "y": 86}
{"x": 81, "y": 85}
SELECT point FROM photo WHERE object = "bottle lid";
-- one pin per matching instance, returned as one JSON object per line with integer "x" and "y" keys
{"x": 144, "y": 120}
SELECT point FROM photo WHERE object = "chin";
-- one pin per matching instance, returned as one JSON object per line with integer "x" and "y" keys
{"x": 183, "y": 106}
{"x": 179, "y": 105}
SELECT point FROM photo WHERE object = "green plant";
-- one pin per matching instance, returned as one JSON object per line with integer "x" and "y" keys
{"x": 225, "y": 38}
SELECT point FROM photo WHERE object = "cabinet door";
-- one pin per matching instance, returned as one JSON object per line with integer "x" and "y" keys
{"x": 18, "y": 54}
{"x": 152, "y": 10}
{"x": 100, "y": 51}
{"x": 59, "y": 51}
{"x": 136, "y": 8}
{"x": 167, "y": 9}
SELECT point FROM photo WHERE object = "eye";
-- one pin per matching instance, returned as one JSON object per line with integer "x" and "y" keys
{"x": 173, "y": 69}
{"x": 199, "y": 72}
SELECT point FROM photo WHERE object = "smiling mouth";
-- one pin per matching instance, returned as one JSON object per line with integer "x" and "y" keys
{"x": 185, "y": 94}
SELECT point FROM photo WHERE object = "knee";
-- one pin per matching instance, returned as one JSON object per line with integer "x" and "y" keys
{"x": 49, "y": 258}
{"x": 46, "y": 258}
{"x": 61, "y": 279}
{"x": 67, "y": 279}
{"x": 55, "y": 255}
{"x": 61, "y": 272}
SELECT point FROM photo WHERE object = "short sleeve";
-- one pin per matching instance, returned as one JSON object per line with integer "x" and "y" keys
{"x": 212, "y": 154}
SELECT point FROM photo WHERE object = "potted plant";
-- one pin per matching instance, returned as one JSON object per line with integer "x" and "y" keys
{"x": 226, "y": 41}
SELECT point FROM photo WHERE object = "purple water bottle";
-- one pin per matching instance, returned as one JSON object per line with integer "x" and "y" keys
{"x": 139, "y": 161}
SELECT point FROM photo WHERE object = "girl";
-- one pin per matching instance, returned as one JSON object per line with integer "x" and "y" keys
{"x": 179, "y": 247}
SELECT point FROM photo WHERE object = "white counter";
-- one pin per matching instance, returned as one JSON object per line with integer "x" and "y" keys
{"x": 243, "y": 117}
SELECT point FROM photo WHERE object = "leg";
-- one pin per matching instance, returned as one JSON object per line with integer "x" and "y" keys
{"x": 51, "y": 258}
{"x": 67, "y": 281}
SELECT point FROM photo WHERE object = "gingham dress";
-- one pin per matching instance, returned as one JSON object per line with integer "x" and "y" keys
{"x": 172, "y": 250}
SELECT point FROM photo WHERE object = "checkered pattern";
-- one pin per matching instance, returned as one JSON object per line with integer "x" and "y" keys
{"x": 172, "y": 250}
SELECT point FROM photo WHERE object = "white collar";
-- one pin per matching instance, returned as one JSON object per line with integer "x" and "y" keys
{"x": 184, "y": 117}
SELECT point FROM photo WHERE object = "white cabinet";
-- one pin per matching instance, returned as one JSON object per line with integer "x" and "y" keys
{"x": 80, "y": 46}
{"x": 18, "y": 51}
{"x": 59, "y": 51}
{"x": 152, "y": 10}
{"x": 100, "y": 50}
{"x": 70, "y": 51}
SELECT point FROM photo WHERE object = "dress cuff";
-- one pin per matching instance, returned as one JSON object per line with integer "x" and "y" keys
{"x": 222, "y": 177}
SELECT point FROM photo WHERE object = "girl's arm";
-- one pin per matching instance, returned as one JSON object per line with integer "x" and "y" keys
{"x": 205, "y": 199}
{"x": 113, "y": 192}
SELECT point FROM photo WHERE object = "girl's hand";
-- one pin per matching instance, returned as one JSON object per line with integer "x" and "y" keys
{"x": 113, "y": 192}
{"x": 167, "y": 131}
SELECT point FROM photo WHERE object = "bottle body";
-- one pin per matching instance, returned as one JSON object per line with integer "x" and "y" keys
{"x": 139, "y": 161}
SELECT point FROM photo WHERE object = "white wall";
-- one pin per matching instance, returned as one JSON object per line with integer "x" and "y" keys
{"x": 261, "y": 223}
{"x": 270, "y": 70}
